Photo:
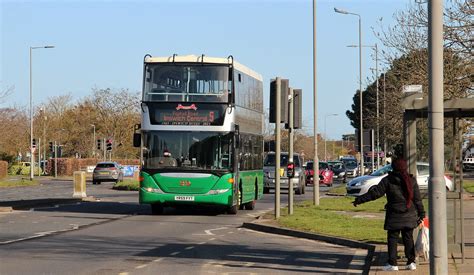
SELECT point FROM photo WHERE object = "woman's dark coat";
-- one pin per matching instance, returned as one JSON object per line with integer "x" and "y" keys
{"x": 397, "y": 216}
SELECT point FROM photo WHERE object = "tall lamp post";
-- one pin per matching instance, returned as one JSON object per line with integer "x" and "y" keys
{"x": 315, "y": 115}
{"x": 93, "y": 141}
{"x": 32, "y": 159}
{"x": 325, "y": 135}
{"x": 361, "y": 126}
{"x": 376, "y": 49}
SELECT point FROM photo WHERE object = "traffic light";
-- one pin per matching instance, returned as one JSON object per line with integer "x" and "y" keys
{"x": 290, "y": 170}
{"x": 34, "y": 143}
{"x": 99, "y": 144}
{"x": 51, "y": 148}
{"x": 109, "y": 145}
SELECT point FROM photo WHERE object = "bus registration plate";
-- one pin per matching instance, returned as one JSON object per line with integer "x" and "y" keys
{"x": 184, "y": 198}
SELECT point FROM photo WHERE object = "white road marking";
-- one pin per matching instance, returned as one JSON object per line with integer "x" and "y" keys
{"x": 201, "y": 243}
{"x": 209, "y": 233}
{"x": 123, "y": 273}
{"x": 212, "y": 239}
{"x": 175, "y": 253}
{"x": 157, "y": 260}
{"x": 189, "y": 247}
{"x": 141, "y": 266}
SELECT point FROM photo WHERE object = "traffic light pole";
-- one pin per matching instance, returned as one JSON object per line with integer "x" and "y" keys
{"x": 290, "y": 153}
{"x": 39, "y": 157}
{"x": 105, "y": 156}
{"x": 277, "y": 146}
{"x": 55, "y": 148}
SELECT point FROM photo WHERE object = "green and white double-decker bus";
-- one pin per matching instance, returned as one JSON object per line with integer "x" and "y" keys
{"x": 201, "y": 133}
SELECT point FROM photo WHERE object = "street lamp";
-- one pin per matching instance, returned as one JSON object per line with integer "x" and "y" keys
{"x": 315, "y": 115}
{"x": 325, "y": 135}
{"x": 361, "y": 127}
{"x": 93, "y": 141}
{"x": 32, "y": 159}
{"x": 375, "y": 48}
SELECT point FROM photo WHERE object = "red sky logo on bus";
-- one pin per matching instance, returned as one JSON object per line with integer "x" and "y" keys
{"x": 185, "y": 183}
{"x": 190, "y": 107}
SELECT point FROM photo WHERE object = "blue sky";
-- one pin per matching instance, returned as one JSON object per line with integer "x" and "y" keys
{"x": 101, "y": 44}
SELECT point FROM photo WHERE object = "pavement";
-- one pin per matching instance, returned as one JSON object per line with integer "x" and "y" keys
{"x": 374, "y": 260}
{"x": 377, "y": 254}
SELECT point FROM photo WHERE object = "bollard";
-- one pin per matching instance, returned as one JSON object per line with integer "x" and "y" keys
{"x": 136, "y": 174}
{"x": 79, "y": 184}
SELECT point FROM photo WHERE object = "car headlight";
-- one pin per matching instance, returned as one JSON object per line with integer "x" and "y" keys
{"x": 360, "y": 183}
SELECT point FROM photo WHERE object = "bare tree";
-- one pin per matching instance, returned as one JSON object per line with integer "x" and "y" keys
{"x": 4, "y": 93}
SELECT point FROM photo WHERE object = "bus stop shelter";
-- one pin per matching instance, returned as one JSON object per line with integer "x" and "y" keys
{"x": 416, "y": 107}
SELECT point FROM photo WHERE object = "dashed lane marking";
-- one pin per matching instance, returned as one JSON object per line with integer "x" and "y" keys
{"x": 189, "y": 247}
{"x": 175, "y": 253}
{"x": 141, "y": 266}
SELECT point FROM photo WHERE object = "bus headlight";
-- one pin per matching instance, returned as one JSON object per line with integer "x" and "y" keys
{"x": 218, "y": 191}
{"x": 154, "y": 190}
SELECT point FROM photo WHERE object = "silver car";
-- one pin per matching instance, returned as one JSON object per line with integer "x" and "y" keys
{"x": 269, "y": 173}
{"x": 361, "y": 185}
{"x": 107, "y": 171}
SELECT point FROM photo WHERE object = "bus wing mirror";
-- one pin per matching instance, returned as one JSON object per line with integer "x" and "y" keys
{"x": 137, "y": 140}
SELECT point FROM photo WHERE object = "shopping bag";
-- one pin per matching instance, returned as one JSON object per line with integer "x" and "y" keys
{"x": 422, "y": 244}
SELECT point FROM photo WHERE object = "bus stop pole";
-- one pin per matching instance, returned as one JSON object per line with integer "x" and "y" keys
{"x": 277, "y": 146}
{"x": 290, "y": 153}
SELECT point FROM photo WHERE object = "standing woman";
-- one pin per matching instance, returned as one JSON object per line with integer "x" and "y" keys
{"x": 403, "y": 212}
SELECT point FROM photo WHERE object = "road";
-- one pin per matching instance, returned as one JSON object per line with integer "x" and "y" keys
{"x": 116, "y": 235}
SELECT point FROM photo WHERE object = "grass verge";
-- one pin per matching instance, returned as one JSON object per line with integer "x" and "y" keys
{"x": 469, "y": 185}
{"x": 128, "y": 185}
{"x": 16, "y": 182}
{"x": 340, "y": 190}
{"x": 336, "y": 217}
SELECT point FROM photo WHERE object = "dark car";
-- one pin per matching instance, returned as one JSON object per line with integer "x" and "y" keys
{"x": 107, "y": 171}
{"x": 339, "y": 169}
{"x": 351, "y": 168}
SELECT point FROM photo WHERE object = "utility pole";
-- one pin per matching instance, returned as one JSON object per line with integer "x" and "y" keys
{"x": 290, "y": 153}
{"x": 436, "y": 184}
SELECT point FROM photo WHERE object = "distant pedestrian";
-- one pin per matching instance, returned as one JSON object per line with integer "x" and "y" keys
{"x": 403, "y": 212}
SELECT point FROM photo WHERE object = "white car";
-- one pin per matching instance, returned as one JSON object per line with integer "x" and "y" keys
{"x": 361, "y": 185}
